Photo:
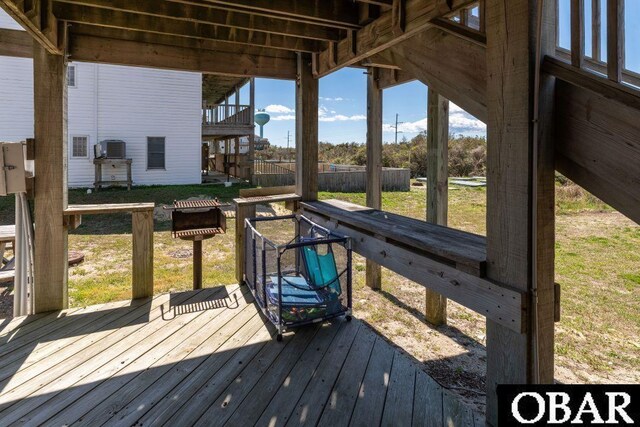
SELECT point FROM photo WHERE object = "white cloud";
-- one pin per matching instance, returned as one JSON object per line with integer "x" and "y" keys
{"x": 342, "y": 118}
{"x": 278, "y": 109}
{"x": 285, "y": 117}
{"x": 337, "y": 99}
{"x": 325, "y": 116}
{"x": 459, "y": 122}
{"x": 407, "y": 127}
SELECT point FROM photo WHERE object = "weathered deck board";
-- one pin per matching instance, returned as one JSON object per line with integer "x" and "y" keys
{"x": 373, "y": 390}
{"x": 209, "y": 358}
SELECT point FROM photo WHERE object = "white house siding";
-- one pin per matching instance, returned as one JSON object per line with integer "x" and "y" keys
{"x": 114, "y": 102}
{"x": 16, "y": 98}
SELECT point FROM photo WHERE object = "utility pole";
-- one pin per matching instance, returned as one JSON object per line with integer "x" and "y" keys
{"x": 396, "y": 128}
{"x": 288, "y": 138}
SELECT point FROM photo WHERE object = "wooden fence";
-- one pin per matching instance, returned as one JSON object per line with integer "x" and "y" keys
{"x": 348, "y": 182}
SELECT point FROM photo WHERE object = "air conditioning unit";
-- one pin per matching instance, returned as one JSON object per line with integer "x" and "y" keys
{"x": 110, "y": 149}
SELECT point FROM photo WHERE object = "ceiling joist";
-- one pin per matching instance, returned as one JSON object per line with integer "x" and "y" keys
{"x": 79, "y": 30}
{"x": 151, "y": 24}
{"x": 134, "y": 53}
{"x": 218, "y": 17}
{"x": 332, "y": 13}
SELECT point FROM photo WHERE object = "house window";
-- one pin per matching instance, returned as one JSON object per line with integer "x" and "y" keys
{"x": 71, "y": 76}
{"x": 79, "y": 146}
{"x": 155, "y": 152}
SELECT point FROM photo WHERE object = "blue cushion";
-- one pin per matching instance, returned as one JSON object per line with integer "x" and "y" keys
{"x": 292, "y": 295}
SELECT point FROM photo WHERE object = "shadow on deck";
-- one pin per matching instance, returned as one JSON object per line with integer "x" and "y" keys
{"x": 208, "y": 358}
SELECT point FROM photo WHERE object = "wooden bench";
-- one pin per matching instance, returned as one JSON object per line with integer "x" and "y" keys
{"x": 142, "y": 236}
{"x": 246, "y": 208}
{"x": 448, "y": 261}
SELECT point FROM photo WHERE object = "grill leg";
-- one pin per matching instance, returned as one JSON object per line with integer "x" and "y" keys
{"x": 197, "y": 264}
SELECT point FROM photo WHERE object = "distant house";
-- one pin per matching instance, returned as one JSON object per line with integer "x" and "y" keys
{"x": 158, "y": 113}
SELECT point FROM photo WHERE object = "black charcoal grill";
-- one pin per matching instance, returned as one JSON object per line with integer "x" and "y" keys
{"x": 197, "y": 220}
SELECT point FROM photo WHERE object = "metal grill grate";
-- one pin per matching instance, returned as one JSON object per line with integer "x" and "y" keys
{"x": 198, "y": 232}
{"x": 195, "y": 204}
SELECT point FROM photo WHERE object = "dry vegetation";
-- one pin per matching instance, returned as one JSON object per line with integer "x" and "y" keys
{"x": 598, "y": 267}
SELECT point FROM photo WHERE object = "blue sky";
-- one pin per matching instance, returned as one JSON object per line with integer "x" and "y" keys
{"x": 343, "y": 94}
{"x": 343, "y": 109}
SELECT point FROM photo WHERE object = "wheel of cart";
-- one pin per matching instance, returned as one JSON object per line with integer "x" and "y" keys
{"x": 298, "y": 271}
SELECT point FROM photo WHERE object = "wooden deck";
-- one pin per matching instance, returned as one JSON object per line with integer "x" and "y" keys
{"x": 208, "y": 358}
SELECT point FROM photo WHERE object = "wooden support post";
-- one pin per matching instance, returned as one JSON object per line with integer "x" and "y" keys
{"x": 236, "y": 157}
{"x": 615, "y": 39}
{"x": 306, "y": 130}
{"x": 197, "y": 264}
{"x": 374, "y": 163}
{"x": 50, "y": 114}
{"x": 142, "y": 254}
{"x": 437, "y": 188}
{"x": 520, "y": 193}
{"x": 236, "y": 160}
{"x": 243, "y": 211}
{"x": 252, "y": 137}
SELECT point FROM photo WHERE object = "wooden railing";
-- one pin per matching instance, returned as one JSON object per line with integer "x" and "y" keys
{"x": 142, "y": 238}
{"x": 264, "y": 167}
{"x": 613, "y": 65}
{"x": 230, "y": 115}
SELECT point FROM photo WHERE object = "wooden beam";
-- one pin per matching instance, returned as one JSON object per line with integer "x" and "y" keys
{"x": 462, "y": 31}
{"x": 437, "y": 187}
{"x": 50, "y": 239}
{"x": 376, "y": 61}
{"x": 211, "y": 16}
{"x": 597, "y": 143}
{"x": 464, "y": 82}
{"x": 577, "y": 33}
{"x": 306, "y": 130}
{"x": 520, "y": 192}
{"x": 183, "y": 42}
{"x": 380, "y": 35}
{"x": 334, "y": 13}
{"x": 615, "y": 39}
{"x": 383, "y": 3}
{"x": 155, "y": 25}
{"x": 586, "y": 79}
{"x": 389, "y": 78}
{"x": 37, "y": 18}
{"x": 374, "y": 163}
{"x": 16, "y": 43}
{"x": 125, "y": 52}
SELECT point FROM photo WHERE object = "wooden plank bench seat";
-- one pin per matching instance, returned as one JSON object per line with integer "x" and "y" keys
{"x": 450, "y": 262}
{"x": 459, "y": 249}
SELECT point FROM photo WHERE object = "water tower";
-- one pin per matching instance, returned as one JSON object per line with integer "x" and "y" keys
{"x": 262, "y": 118}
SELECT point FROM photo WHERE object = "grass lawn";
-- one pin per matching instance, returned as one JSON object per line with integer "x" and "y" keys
{"x": 597, "y": 265}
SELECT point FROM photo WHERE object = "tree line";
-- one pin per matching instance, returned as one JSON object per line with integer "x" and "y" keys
{"x": 467, "y": 155}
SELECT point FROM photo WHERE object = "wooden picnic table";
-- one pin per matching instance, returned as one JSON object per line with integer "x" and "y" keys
{"x": 7, "y": 235}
